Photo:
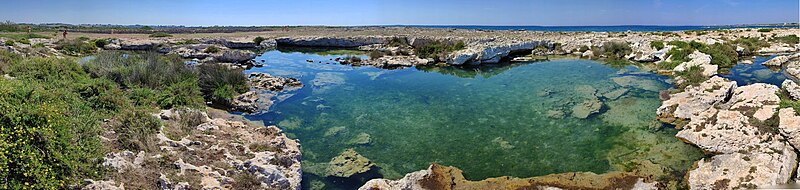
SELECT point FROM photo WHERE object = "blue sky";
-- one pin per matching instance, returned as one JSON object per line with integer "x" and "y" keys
{"x": 407, "y": 12}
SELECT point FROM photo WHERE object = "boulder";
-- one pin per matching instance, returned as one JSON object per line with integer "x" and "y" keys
{"x": 695, "y": 100}
{"x": 236, "y": 56}
{"x": 789, "y": 126}
{"x": 701, "y": 60}
{"x": 272, "y": 83}
{"x": 639, "y": 82}
{"x": 792, "y": 88}
{"x": 768, "y": 166}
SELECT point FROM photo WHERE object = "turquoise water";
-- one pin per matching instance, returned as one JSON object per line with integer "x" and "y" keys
{"x": 745, "y": 74}
{"x": 501, "y": 120}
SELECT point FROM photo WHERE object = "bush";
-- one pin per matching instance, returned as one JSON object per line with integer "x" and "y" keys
{"x": 398, "y": 42}
{"x": 220, "y": 84}
{"x": 258, "y": 40}
{"x": 9, "y": 42}
{"x": 438, "y": 50}
{"x": 211, "y": 49}
{"x": 150, "y": 70}
{"x": 750, "y": 44}
{"x": 160, "y": 35}
{"x": 680, "y": 54}
{"x": 188, "y": 41}
{"x": 613, "y": 50}
{"x": 100, "y": 43}
{"x": 6, "y": 60}
{"x": 136, "y": 130}
{"x": 658, "y": 45}
{"x": 765, "y": 30}
{"x": 24, "y": 41}
{"x": 692, "y": 76}
{"x": 143, "y": 97}
{"x": 723, "y": 55}
{"x": 790, "y": 39}
{"x": 76, "y": 47}
{"x": 184, "y": 93}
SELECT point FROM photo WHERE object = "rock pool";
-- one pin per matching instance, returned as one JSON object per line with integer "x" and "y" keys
{"x": 521, "y": 119}
{"x": 745, "y": 74}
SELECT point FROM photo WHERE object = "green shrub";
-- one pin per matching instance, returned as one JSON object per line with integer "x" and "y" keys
{"x": 76, "y": 47}
{"x": 160, "y": 35}
{"x": 790, "y": 39}
{"x": 184, "y": 93}
{"x": 613, "y": 50}
{"x": 438, "y": 50}
{"x": 219, "y": 84}
{"x": 658, "y": 45}
{"x": 692, "y": 76}
{"x": 100, "y": 43}
{"x": 765, "y": 30}
{"x": 723, "y": 55}
{"x": 146, "y": 97}
{"x": 48, "y": 70}
{"x": 188, "y": 42}
{"x": 9, "y": 42}
{"x": 583, "y": 48}
{"x": 136, "y": 130}
{"x": 151, "y": 70}
{"x": 258, "y": 40}
{"x": 750, "y": 44}
{"x": 398, "y": 42}
{"x": 43, "y": 147}
{"x": 24, "y": 41}
{"x": 6, "y": 60}
{"x": 211, "y": 49}
{"x": 680, "y": 54}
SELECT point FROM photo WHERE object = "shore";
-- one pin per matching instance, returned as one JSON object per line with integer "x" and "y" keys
{"x": 747, "y": 130}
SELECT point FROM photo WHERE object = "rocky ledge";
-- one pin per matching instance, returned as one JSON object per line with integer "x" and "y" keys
{"x": 447, "y": 178}
{"x": 218, "y": 152}
{"x": 738, "y": 126}
{"x": 264, "y": 88}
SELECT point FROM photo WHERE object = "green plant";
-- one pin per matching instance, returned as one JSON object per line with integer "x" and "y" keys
{"x": 613, "y": 50}
{"x": 658, "y": 45}
{"x": 9, "y": 42}
{"x": 136, "y": 130}
{"x": 101, "y": 42}
{"x": 6, "y": 60}
{"x": 160, "y": 35}
{"x": 438, "y": 49}
{"x": 211, "y": 49}
{"x": 220, "y": 84}
{"x": 724, "y": 55}
{"x": 397, "y": 42}
{"x": 76, "y": 47}
{"x": 790, "y": 39}
{"x": 24, "y": 41}
{"x": 184, "y": 93}
{"x": 692, "y": 76}
{"x": 765, "y": 30}
{"x": 750, "y": 44}
{"x": 188, "y": 42}
{"x": 258, "y": 40}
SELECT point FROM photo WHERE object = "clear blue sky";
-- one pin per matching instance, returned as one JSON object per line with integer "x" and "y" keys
{"x": 407, "y": 12}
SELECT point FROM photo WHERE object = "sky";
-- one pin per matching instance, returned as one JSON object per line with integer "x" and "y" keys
{"x": 401, "y": 12}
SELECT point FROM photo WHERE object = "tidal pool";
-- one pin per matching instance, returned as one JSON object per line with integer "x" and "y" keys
{"x": 745, "y": 74}
{"x": 501, "y": 120}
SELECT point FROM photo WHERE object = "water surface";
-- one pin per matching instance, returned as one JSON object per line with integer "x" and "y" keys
{"x": 501, "y": 120}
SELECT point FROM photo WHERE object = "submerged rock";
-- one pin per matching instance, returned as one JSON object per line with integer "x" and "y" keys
{"x": 444, "y": 177}
{"x": 349, "y": 163}
{"x": 638, "y": 82}
{"x": 361, "y": 139}
{"x": 587, "y": 108}
{"x": 326, "y": 80}
{"x": 615, "y": 94}
{"x": 272, "y": 83}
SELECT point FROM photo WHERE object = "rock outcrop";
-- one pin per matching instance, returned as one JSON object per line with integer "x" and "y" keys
{"x": 701, "y": 60}
{"x": 781, "y": 60}
{"x": 449, "y": 178}
{"x": 195, "y": 151}
{"x": 735, "y": 124}
{"x": 792, "y": 88}
{"x": 789, "y": 126}
{"x": 264, "y": 88}
{"x": 492, "y": 52}
{"x": 343, "y": 42}
{"x": 236, "y": 56}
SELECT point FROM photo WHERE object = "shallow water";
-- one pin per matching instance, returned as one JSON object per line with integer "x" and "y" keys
{"x": 745, "y": 74}
{"x": 502, "y": 120}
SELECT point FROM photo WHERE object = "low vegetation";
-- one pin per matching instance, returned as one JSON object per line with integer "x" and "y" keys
{"x": 76, "y": 47}
{"x": 211, "y": 49}
{"x": 258, "y": 40}
{"x": 790, "y": 39}
{"x": 765, "y": 30}
{"x": 692, "y": 76}
{"x": 658, "y": 44}
{"x": 750, "y": 44}
{"x": 723, "y": 55}
{"x": 55, "y": 110}
{"x": 613, "y": 50}
{"x": 438, "y": 50}
{"x": 160, "y": 35}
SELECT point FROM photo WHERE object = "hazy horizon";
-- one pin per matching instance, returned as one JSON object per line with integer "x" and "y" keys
{"x": 413, "y": 12}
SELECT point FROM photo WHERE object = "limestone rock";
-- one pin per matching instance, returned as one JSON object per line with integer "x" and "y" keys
{"x": 701, "y": 60}
{"x": 491, "y": 52}
{"x": 344, "y": 42}
{"x": 251, "y": 102}
{"x": 768, "y": 166}
{"x": 789, "y": 126}
{"x": 696, "y": 99}
{"x": 102, "y": 185}
{"x": 638, "y": 82}
{"x": 780, "y": 60}
{"x": 349, "y": 163}
{"x": 793, "y": 69}
{"x": 272, "y": 83}
{"x": 236, "y": 56}
{"x": 444, "y": 177}
{"x": 792, "y": 88}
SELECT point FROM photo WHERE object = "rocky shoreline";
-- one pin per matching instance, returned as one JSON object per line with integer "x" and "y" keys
{"x": 752, "y": 141}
